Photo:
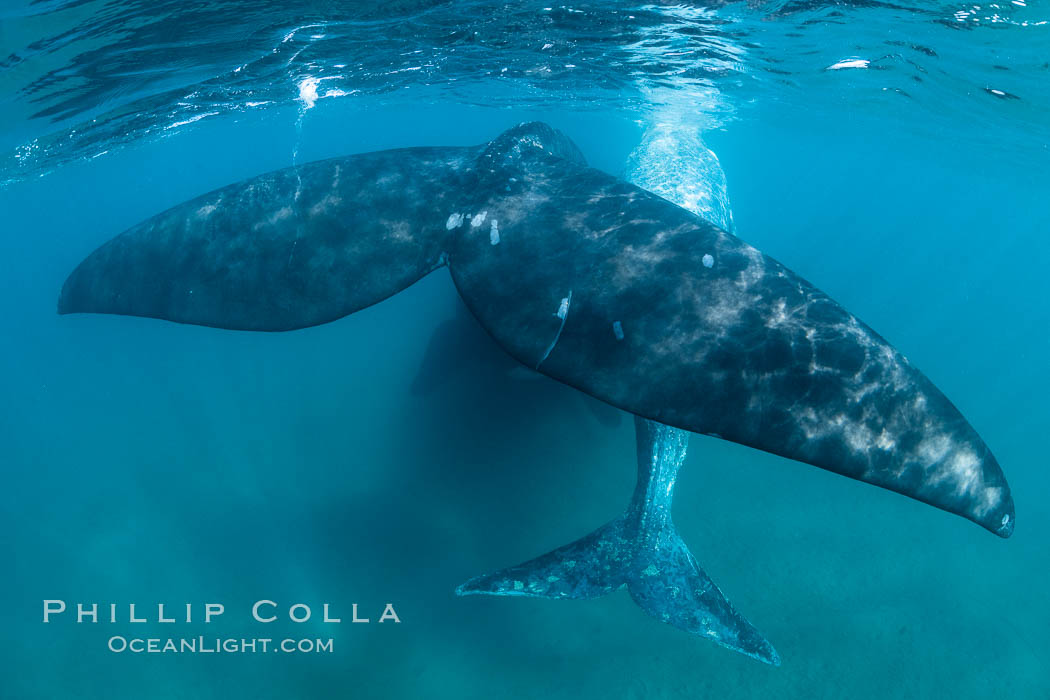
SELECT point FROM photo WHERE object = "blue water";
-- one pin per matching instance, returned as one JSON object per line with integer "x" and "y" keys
{"x": 149, "y": 462}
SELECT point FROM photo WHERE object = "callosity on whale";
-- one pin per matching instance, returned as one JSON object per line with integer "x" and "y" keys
{"x": 586, "y": 278}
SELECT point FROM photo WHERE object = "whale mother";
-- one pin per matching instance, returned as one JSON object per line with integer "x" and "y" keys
{"x": 589, "y": 280}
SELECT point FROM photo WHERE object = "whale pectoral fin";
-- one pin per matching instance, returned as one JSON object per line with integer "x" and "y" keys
{"x": 289, "y": 249}
{"x": 668, "y": 583}
{"x": 590, "y": 567}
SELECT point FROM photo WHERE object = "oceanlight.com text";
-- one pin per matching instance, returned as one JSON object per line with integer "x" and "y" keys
{"x": 218, "y": 645}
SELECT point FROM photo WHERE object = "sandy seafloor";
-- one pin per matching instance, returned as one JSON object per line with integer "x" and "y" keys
{"x": 149, "y": 462}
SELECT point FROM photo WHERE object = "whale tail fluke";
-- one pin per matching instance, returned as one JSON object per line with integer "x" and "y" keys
{"x": 289, "y": 249}
{"x": 657, "y": 568}
{"x": 668, "y": 583}
{"x": 588, "y": 568}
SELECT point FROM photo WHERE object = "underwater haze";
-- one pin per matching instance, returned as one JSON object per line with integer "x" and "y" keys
{"x": 895, "y": 155}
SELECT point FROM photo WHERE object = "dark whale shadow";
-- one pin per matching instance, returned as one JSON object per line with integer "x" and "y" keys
{"x": 460, "y": 345}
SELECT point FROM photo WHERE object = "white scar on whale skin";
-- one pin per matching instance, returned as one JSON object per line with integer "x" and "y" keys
{"x": 455, "y": 220}
{"x": 562, "y": 313}
{"x": 494, "y": 233}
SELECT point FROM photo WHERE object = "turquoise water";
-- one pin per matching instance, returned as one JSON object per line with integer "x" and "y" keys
{"x": 151, "y": 462}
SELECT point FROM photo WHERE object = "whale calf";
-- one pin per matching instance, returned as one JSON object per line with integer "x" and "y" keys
{"x": 594, "y": 282}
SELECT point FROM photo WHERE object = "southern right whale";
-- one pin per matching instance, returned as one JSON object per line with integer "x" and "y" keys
{"x": 590, "y": 280}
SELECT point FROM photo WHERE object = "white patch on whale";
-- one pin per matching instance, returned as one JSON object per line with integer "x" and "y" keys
{"x": 562, "y": 313}
{"x": 563, "y": 308}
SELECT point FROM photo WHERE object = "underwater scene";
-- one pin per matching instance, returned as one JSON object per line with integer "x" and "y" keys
{"x": 367, "y": 349}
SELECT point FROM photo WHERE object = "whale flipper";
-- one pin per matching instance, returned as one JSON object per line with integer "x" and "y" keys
{"x": 288, "y": 249}
{"x": 643, "y": 551}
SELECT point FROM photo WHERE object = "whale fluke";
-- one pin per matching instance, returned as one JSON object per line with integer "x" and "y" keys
{"x": 288, "y": 249}
{"x": 593, "y": 281}
{"x": 618, "y": 292}
{"x": 643, "y": 551}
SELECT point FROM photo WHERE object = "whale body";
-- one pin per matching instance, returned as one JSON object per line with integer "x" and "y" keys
{"x": 557, "y": 261}
{"x": 592, "y": 281}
